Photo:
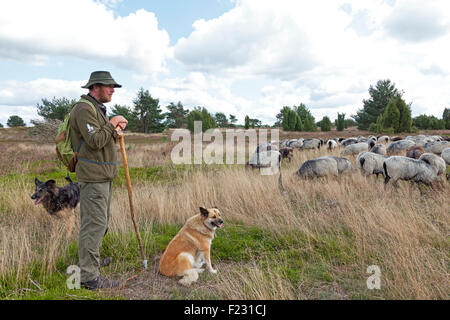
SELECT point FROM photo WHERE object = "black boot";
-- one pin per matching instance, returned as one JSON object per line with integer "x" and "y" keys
{"x": 100, "y": 283}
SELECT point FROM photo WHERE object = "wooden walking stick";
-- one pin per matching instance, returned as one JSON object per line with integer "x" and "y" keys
{"x": 130, "y": 193}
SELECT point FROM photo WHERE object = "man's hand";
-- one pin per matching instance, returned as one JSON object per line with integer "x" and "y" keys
{"x": 119, "y": 121}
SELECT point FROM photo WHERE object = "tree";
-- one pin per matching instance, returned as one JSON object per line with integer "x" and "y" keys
{"x": 405, "y": 121}
{"x": 221, "y": 119}
{"x": 376, "y": 104}
{"x": 200, "y": 114}
{"x": 446, "y": 118}
{"x": 255, "y": 123}
{"x": 391, "y": 116}
{"x": 308, "y": 121}
{"x": 247, "y": 122}
{"x": 56, "y": 109}
{"x": 233, "y": 120}
{"x": 340, "y": 122}
{"x": 325, "y": 124}
{"x": 1, "y": 125}
{"x": 177, "y": 115}
{"x": 15, "y": 121}
{"x": 127, "y": 113}
{"x": 149, "y": 115}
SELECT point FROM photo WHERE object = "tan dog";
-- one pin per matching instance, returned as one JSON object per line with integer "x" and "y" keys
{"x": 191, "y": 247}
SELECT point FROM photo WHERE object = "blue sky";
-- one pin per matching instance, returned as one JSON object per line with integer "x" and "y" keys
{"x": 241, "y": 57}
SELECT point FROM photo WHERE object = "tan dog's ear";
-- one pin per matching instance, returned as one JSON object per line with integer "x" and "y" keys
{"x": 204, "y": 212}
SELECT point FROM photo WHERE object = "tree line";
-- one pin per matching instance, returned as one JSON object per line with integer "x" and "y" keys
{"x": 384, "y": 112}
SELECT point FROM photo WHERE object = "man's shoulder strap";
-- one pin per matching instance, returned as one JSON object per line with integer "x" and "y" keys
{"x": 89, "y": 103}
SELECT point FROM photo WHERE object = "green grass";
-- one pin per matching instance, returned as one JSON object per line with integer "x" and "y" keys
{"x": 298, "y": 259}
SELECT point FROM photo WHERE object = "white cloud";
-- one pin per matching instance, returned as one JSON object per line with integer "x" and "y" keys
{"x": 417, "y": 21}
{"x": 31, "y": 31}
{"x": 21, "y": 97}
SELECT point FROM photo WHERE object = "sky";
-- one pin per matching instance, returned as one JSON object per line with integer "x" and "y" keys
{"x": 240, "y": 57}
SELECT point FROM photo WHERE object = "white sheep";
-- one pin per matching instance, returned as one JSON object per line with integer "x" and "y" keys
{"x": 370, "y": 163}
{"x": 383, "y": 139}
{"x": 331, "y": 144}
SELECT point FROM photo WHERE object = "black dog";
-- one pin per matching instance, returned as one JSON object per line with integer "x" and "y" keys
{"x": 54, "y": 198}
{"x": 59, "y": 201}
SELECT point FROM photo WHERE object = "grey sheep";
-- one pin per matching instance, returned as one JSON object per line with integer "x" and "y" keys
{"x": 426, "y": 169}
{"x": 399, "y": 147}
{"x": 356, "y": 148}
{"x": 311, "y": 144}
{"x": 296, "y": 143}
{"x": 379, "y": 148}
{"x": 319, "y": 167}
{"x": 343, "y": 165}
{"x": 349, "y": 141}
{"x": 436, "y": 147}
{"x": 446, "y": 156}
{"x": 370, "y": 163}
{"x": 325, "y": 166}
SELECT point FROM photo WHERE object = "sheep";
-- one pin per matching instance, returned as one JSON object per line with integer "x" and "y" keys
{"x": 325, "y": 166}
{"x": 400, "y": 146}
{"x": 348, "y": 142}
{"x": 331, "y": 144}
{"x": 370, "y": 163}
{"x": 420, "y": 140}
{"x": 426, "y": 169}
{"x": 383, "y": 139}
{"x": 319, "y": 167}
{"x": 379, "y": 148}
{"x": 269, "y": 162}
{"x": 446, "y": 155}
{"x": 296, "y": 143}
{"x": 356, "y": 148}
{"x": 266, "y": 147}
{"x": 415, "y": 152}
{"x": 393, "y": 139}
{"x": 311, "y": 144}
{"x": 436, "y": 147}
{"x": 343, "y": 165}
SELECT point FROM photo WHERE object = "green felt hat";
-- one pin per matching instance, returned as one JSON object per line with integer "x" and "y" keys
{"x": 102, "y": 77}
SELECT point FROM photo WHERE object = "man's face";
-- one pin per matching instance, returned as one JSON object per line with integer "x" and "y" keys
{"x": 103, "y": 92}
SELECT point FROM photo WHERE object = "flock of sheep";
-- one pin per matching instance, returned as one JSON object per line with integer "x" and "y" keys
{"x": 421, "y": 158}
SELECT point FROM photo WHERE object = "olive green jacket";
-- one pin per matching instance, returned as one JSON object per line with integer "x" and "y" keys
{"x": 94, "y": 138}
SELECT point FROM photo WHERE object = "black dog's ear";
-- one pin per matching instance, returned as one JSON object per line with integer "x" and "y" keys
{"x": 50, "y": 183}
{"x": 204, "y": 212}
{"x": 37, "y": 181}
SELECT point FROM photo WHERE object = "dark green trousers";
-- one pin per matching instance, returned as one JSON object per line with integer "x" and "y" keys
{"x": 95, "y": 201}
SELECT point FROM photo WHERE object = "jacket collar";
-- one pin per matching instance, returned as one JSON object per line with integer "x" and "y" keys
{"x": 99, "y": 105}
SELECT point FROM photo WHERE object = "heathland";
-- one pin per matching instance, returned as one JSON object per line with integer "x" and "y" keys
{"x": 315, "y": 241}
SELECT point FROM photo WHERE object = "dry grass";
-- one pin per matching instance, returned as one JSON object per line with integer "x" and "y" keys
{"x": 403, "y": 231}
